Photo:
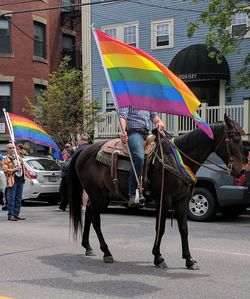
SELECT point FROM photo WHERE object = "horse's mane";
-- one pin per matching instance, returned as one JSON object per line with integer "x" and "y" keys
{"x": 190, "y": 139}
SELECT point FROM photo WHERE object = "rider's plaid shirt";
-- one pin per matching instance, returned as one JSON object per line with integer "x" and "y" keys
{"x": 137, "y": 119}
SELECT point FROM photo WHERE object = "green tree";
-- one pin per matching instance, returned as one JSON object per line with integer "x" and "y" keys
{"x": 218, "y": 17}
{"x": 62, "y": 109}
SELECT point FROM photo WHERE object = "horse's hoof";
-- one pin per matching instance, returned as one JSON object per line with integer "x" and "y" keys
{"x": 192, "y": 265}
{"x": 108, "y": 259}
{"x": 90, "y": 252}
{"x": 195, "y": 266}
{"x": 162, "y": 265}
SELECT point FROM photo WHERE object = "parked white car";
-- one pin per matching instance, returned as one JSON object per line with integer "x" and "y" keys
{"x": 46, "y": 176}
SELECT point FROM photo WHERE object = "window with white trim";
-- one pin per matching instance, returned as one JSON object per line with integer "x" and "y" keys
{"x": 108, "y": 102}
{"x": 112, "y": 32}
{"x": 126, "y": 33}
{"x": 239, "y": 24}
{"x": 162, "y": 35}
{"x": 130, "y": 35}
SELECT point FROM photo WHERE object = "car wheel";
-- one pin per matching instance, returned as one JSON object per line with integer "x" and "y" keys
{"x": 202, "y": 206}
{"x": 232, "y": 212}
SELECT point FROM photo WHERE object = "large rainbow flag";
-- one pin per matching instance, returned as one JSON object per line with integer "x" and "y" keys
{"x": 26, "y": 129}
{"x": 137, "y": 79}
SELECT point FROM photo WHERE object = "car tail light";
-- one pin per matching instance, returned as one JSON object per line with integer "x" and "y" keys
{"x": 240, "y": 181}
{"x": 32, "y": 174}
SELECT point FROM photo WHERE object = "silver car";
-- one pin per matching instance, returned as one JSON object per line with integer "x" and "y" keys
{"x": 46, "y": 176}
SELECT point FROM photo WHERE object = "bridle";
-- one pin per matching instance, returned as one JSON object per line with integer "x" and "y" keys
{"x": 225, "y": 138}
{"x": 227, "y": 141}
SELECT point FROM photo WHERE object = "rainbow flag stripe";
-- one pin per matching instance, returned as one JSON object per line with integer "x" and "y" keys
{"x": 26, "y": 129}
{"x": 137, "y": 79}
{"x": 186, "y": 171}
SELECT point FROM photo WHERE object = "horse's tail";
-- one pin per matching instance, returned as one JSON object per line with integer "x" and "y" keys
{"x": 75, "y": 190}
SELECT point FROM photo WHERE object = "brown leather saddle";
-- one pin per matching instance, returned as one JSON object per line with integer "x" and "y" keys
{"x": 116, "y": 145}
{"x": 114, "y": 153}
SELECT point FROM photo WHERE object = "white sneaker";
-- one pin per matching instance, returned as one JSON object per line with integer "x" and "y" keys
{"x": 83, "y": 209}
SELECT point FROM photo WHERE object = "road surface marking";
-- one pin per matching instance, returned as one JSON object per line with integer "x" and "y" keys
{"x": 221, "y": 252}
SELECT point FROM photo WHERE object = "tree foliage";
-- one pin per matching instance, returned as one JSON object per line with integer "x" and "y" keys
{"x": 61, "y": 109}
{"x": 218, "y": 17}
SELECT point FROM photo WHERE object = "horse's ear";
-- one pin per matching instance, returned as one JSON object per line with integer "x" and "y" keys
{"x": 228, "y": 121}
{"x": 233, "y": 125}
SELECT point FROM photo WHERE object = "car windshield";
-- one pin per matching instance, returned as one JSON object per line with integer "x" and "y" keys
{"x": 43, "y": 164}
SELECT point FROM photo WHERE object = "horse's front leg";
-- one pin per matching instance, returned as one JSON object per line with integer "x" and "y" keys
{"x": 181, "y": 216}
{"x": 160, "y": 229}
{"x": 107, "y": 257}
{"x": 85, "y": 235}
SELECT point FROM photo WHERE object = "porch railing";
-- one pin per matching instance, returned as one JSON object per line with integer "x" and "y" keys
{"x": 177, "y": 125}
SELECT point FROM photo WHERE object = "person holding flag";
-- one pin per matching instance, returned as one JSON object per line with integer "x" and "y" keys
{"x": 134, "y": 130}
{"x": 15, "y": 172}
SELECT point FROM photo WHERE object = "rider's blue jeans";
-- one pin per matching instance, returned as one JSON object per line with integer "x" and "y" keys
{"x": 14, "y": 197}
{"x": 136, "y": 146}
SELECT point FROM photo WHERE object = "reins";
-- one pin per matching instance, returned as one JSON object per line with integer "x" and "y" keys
{"x": 225, "y": 171}
{"x": 162, "y": 189}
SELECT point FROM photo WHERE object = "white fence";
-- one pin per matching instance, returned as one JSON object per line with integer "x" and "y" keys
{"x": 177, "y": 125}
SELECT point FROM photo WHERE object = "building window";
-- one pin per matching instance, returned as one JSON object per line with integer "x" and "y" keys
{"x": 108, "y": 102}
{"x": 67, "y": 2}
{"x": 125, "y": 33}
{"x": 68, "y": 42}
{"x": 39, "y": 40}
{"x": 112, "y": 32}
{"x": 5, "y": 41}
{"x": 162, "y": 34}
{"x": 38, "y": 90}
{"x": 5, "y": 96}
{"x": 239, "y": 24}
{"x": 130, "y": 35}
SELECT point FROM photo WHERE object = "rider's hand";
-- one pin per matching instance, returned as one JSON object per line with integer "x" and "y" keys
{"x": 124, "y": 137}
{"x": 160, "y": 126}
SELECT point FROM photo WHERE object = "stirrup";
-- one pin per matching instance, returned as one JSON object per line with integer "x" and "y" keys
{"x": 132, "y": 203}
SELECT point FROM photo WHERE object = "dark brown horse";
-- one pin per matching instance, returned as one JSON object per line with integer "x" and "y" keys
{"x": 92, "y": 176}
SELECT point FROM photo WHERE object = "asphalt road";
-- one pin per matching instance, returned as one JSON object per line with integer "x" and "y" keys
{"x": 38, "y": 258}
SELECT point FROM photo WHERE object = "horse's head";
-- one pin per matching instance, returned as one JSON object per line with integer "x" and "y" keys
{"x": 230, "y": 148}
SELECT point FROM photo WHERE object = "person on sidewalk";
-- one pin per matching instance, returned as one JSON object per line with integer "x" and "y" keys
{"x": 2, "y": 186}
{"x": 15, "y": 173}
{"x": 63, "y": 190}
{"x": 135, "y": 128}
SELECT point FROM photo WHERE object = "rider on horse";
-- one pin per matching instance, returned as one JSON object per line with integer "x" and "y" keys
{"x": 135, "y": 127}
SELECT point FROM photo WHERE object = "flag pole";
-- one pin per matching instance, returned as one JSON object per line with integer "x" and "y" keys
{"x": 116, "y": 108}
{"x": 12, "y": 137}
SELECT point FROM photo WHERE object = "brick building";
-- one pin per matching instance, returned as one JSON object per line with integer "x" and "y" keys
{"x": 32, "y": 45}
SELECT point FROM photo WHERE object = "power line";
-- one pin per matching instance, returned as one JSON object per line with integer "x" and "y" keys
{"x": 23, "y": 32}
{"x": 56, "y": 7}
{"x": 22, "y": 2}
{"x": 116, "y": 21}
{"x": 109, "y": 19}
{"x": 164, "y": 7}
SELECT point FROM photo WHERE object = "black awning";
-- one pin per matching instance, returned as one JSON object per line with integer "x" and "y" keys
{"x": 193, "y": 63}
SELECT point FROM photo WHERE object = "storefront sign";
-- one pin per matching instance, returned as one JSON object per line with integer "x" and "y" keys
{"x": 187, "y": 76}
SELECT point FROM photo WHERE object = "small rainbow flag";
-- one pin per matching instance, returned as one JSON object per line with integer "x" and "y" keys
{"x": 137, "y": 79}
{"x": 26, "y": 129}
{"x": 185, "y": 170}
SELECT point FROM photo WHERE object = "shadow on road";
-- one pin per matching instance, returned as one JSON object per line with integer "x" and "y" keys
{"x": 78, "y": 270}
